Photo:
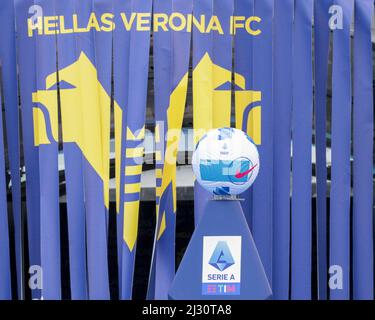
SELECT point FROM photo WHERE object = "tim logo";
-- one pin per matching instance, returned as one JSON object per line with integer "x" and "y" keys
{"x": 221, "y": 273}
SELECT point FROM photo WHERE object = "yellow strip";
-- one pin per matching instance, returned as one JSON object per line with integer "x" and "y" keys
{"x": 40, "y": 131}
{"x": 134, "y": 152}
{"x": 158, "y": 156}
{"x": 131, "y": 210}
{"x": 163, "y": 226}
{"x": 133, "y": 170}
{"x": 254, "y": 125}
{"x": 159, "y": 173}
{"x": 240, "y": 81}
{"x": 118, "y": 139}
{"x": 157, "y": 133}
{"x": 132, "y": 188}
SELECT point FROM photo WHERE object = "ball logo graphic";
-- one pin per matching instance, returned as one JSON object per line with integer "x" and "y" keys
{"x": 226, "y": 162}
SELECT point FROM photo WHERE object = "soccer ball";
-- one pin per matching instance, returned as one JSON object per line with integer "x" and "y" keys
{"x": 226, "y": 162}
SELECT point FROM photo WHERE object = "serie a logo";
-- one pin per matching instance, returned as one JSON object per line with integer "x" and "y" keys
{"x": 221, "y": 266}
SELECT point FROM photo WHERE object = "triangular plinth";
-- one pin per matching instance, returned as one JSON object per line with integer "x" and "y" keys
{"x": 238, "y": 273}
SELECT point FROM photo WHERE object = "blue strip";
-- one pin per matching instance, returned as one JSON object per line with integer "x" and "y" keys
{"x": 10, "y": 94}
{"x": 96, "y": 213}
{"x": 103, "y": 42}
{"x": 133, "y": 161}
{"x": 263, "y": 186}
{"x": 132, "y": 197}
{"x": 341, "y": 138}
{"x": 138, "y": 60}
{"x": 363, "y": 255}
{"x": 121, "y": 47}
{"x": 27, "y": 70}
{"x": 243, "y": 64}
{"x": 133, "y": 179}
{"x": 302, "y": 140}
{"x": 283, "y": 107}
{"x": 321, "y": 32}
{"x": 5, "y": 281}
{"x": 49, "y": 174}
{"x": 73, "y": 175}
{"x": 134, "y": 143}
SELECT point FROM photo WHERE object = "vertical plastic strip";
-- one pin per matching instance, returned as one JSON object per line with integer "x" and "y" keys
{"x": 363, "y": 140}
{"x": 341, "y": 144}
{"x": 283, "y": 81}
{"x": 301, "y": 232}
{"x": 263, "y": 186}
{"x": 321, "y": 49}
